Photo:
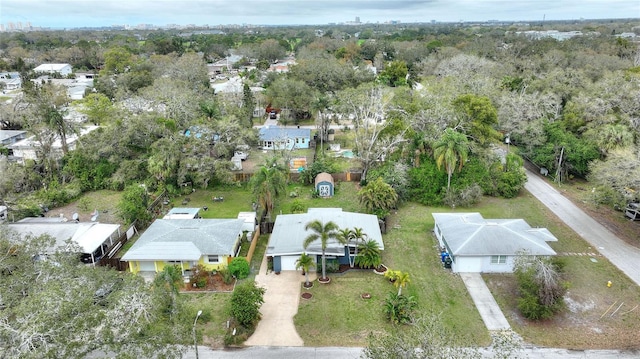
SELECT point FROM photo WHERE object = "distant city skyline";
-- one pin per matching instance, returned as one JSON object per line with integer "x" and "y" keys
{"x": 60, "y": 14}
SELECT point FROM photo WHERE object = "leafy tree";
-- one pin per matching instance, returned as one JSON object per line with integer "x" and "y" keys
{"x": 268, "y": 183}
{"x": 323, "y": 232}
{"x": 427, "y": 338}
{"x": 117, "y": 60}
{"x": 374, "y": 138}
{"x": 451, "y": 151}
{"x": 305, "y": 262}
{"x": 248, "y": 104}
{"x": 98, "y": 108}
{"x": 246, "y": 300}
{"x": 291, "y": 94}
{"x": 540, "y": 286}
{"x": 378, "y": 197}
{"x": 133, "y": 205}
{"x": 482, "y": 117}
{"x": 369, "y": 254}
{"x": 51, "y": 304}
{"x": 620, "y": 171}
{"x": 239, "y": 267}
{"x": 394, "y": 74}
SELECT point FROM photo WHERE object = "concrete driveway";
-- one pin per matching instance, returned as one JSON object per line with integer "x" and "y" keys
{"x": 624, "y": 256}
{"x": 280, "y": 305}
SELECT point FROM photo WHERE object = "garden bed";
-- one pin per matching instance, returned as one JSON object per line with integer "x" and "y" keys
{"x": 214, "y": 284}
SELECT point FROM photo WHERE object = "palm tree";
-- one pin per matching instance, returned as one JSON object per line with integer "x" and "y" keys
{"x": 346, "y": 235}
{"x": 451, "y": 150}
{"x": 305, "y": 262}
{"x": 357, "y": 235}
{"x": 268, "y": 183}
{"x": 369, "y": 254}
{"x": 323, "y": 232}
{"x": 378, "y": 197}
{"x": 402, "y": 280}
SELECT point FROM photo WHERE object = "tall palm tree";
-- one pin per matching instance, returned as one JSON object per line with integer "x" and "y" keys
{"x": 357, "y": 235}
{"x": 268, "y": 183}
{"x": 305, "y": 262}
{"x": 346, "y": 235}
{"x": 451, "y": 150}
{"x": 323, "y": 232}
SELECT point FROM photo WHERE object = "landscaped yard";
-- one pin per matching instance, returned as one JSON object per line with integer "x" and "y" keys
{"x": 337, "y": 316}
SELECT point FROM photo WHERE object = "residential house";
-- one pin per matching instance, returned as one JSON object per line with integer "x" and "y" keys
{"x": 185, "y": 243}
{"x": 9, "y": 137}
{"x": 29, "y": 148}
{"x": 62, "y": 69}
{"x": 277, "y": 138}
{"x": 182, "y": 213}
{"x": 475, "y": 244}
{"x": 11, "y": 80}
{"x": 91, "y": 239}
{"x": 289, "y": 233}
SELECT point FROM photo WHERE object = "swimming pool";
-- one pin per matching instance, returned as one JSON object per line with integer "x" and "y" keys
{"x": 347, "y": 154}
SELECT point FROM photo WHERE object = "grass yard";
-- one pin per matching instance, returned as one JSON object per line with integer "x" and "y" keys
{"x": 336, "y": 315}
{"x": 236, "y": 199}
{"x": 583, "y": 324}
{"x": 346, "y": 197}
{"x": 212, "y": 324}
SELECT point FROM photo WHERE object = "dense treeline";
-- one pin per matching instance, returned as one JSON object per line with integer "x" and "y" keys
{"x": 429, "y": 105}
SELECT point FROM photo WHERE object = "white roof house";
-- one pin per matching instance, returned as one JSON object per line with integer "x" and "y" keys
{"x": 62, "y": 69}
{"x": 186, "y": 240}
{"x": 92, "y": 238}
{"x": 182, "y": 213}
{"x": 476, "y": 244}
{"x": 28, "y": 148}
{"x": 285, "y": 244}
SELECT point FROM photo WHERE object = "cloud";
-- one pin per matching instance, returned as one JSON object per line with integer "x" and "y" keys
{"x": 72, "y": 13}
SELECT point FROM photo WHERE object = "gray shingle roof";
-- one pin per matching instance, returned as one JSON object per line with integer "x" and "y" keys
{"x": 273, "y": 133}
{"x": 186, "y": 239}
{"x": 289, "y": 233}
{"x": 469, "y": 234}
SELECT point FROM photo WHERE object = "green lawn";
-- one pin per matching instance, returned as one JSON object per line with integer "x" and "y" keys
{"x": 236, "y": 199}
{"x": 211, "y": 326}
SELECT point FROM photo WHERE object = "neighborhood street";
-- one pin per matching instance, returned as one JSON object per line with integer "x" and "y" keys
{"x": 624, "y": 256}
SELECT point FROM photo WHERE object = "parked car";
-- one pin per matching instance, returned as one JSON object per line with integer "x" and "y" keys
{"x": 633, "y": 211}
{"x": 273, "y": 115}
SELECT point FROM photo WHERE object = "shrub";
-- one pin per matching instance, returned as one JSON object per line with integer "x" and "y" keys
{"x": 298, "y": 207}
{"x": 239, "y": 267}
{"x": 245, "y": 303}
{"x": 200, "y": 276}
{"x": 226, "y": 275}
{"x": 540, "y": 287}
{"x": 465, "y": 197}
{"x": 399, "y": 309}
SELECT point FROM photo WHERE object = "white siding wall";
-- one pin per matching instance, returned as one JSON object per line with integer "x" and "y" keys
{"x": 488, "y": 267}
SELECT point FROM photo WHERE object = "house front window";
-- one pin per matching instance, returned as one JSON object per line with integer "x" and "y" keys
{"x": 498, "y": 259}
{"x": 213, "y": 259}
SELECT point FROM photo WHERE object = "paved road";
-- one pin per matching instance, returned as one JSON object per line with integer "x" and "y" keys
{"x": 624, "y": 256}
{"x": 353, "y": 353}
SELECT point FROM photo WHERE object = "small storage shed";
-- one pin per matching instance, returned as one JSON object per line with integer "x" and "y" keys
{"x": 324, "y": 184}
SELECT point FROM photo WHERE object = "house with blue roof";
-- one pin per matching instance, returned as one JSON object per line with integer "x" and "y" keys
{"x": 279, "y": 138}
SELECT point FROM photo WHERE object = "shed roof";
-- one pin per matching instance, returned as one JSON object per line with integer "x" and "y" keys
{"x": 289, "y": 232}
{"x": 186, "y": 239}
{"x": 469, "y": 234}
{"x": 182, "y": 213}
{"x": 88, "y": 235}
{"x": 324, "y": 177}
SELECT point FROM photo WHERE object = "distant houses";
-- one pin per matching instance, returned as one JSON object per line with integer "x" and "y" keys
{"x": 61, "y": 69}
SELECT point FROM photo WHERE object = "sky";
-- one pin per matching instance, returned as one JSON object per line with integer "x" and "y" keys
{"x": 81, "y": 13}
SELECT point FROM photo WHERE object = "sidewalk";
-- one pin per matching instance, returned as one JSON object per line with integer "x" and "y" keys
{"x": 489, "y": 310}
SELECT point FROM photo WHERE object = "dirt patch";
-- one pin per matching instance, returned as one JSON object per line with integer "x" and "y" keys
{"x": 214, "y": 284}
{"x": 105, "y": 203}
